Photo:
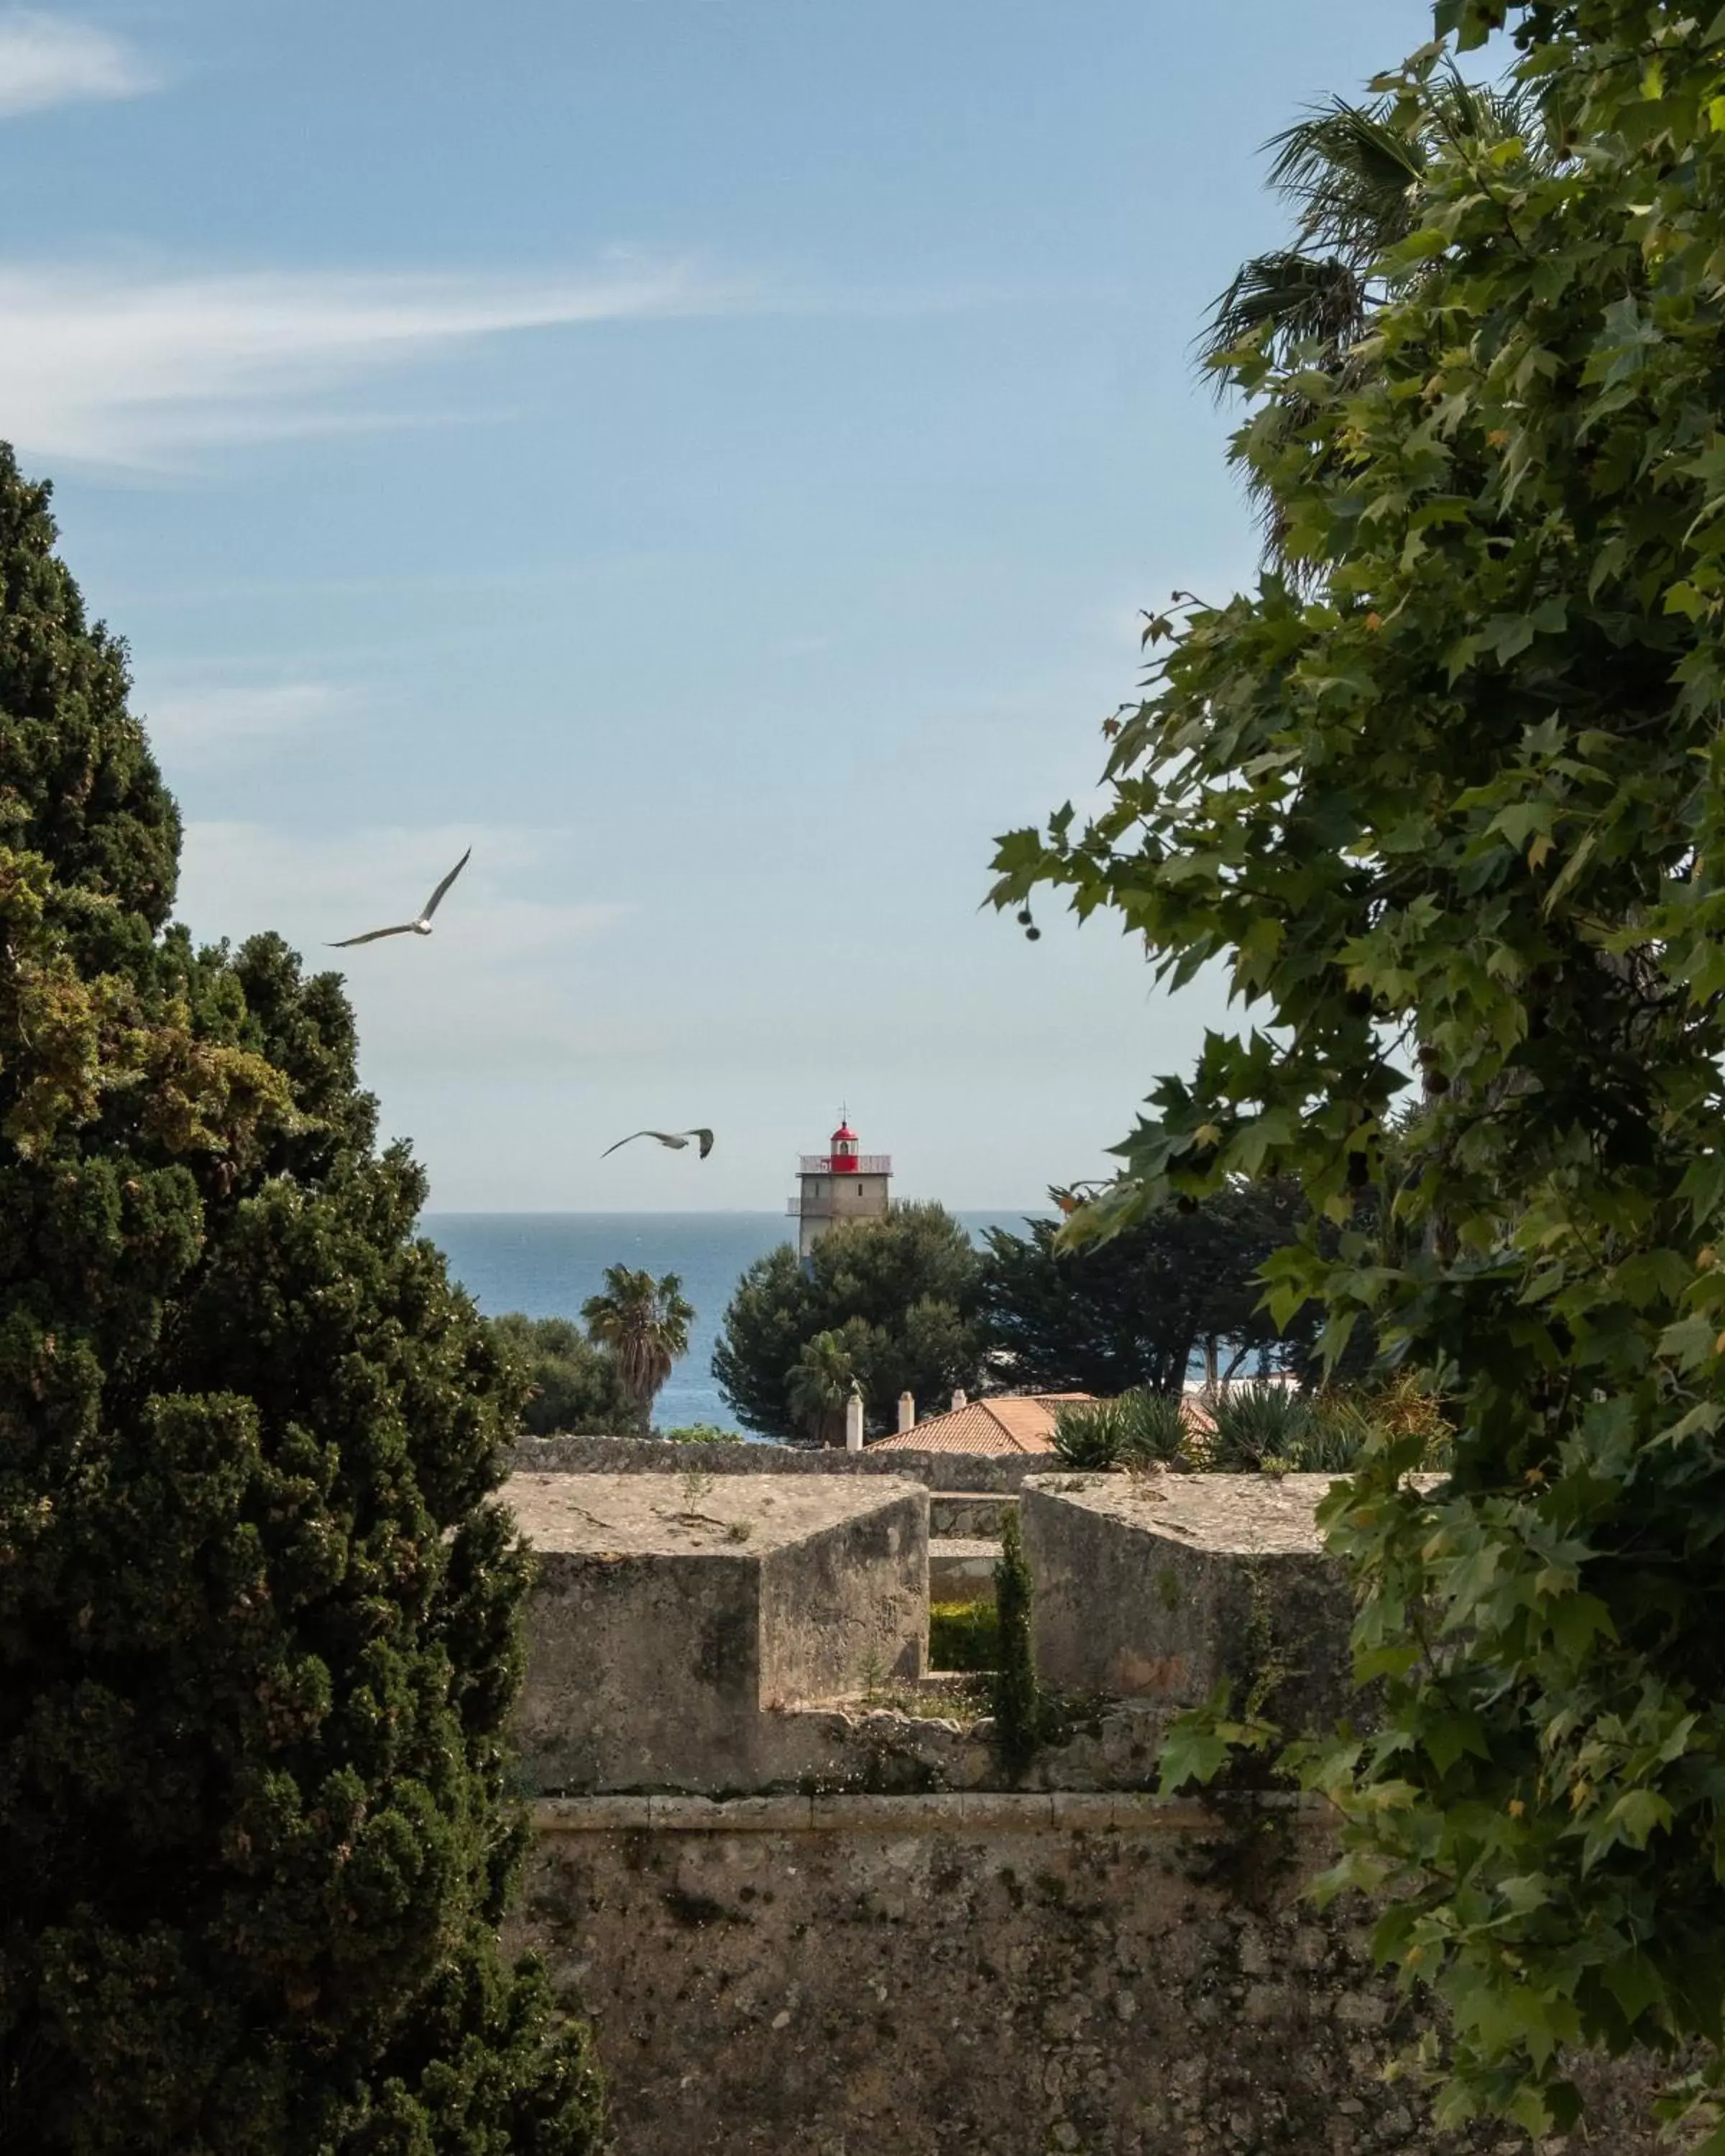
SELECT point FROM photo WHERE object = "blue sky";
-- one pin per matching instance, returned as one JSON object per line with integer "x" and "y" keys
{"x": 708, "y": 455}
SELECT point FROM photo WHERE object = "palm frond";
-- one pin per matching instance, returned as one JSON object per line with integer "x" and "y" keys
{"x": 1291, "y": 298}
{"x": 1349, "y": 168}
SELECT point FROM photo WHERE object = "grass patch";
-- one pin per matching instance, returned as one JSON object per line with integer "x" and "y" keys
{"x": 963, "y": 1635}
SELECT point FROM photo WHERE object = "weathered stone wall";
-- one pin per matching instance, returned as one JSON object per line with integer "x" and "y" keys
{"x": 649, "y": 1455}
{"x": 872, "y": 1947}
{"x": 665, "y": 1620}
{"x": 998, "y": 1975}
{"x": 1158, "y": 1586}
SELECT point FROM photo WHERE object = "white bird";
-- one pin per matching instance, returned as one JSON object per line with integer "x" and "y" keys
{"x": 677, "y": 1138}
{"x": 422, "y": 926}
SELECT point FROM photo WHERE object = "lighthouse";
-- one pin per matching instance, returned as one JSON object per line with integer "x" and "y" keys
{"x": 843, "y": 1183}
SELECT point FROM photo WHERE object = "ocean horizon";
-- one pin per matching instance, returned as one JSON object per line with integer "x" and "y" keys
{"x": 546, "y": 1264}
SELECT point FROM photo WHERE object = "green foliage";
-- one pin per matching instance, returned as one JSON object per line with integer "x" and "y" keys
{"x": 1198, "y": 1747}
{"x": 1155, "y": 1428}
{"x": 575, "y": 1387}
{"x": 963, "y": 1635}
{"x": 699, "y": 1432}
{"x": 1089, "y": 1434}
{"x": 1111, "y": 1317}
{"x": 644, "y": 1324}
{"x": 1254, "y": 1424}
{"x": 900, "y": 1297}
{"x": 1455, "y": 801}
{"x": 1140, "y": 1428}
{"x": 258, "y": 1603}
{"x": 823, "y": 1378}
{"x": 1256, "y": 1427}
{"x": 1017, "y": 1696}
{"x": 1336, "y": 1431}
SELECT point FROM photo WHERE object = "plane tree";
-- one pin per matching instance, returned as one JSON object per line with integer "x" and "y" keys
{"x": 1444, "y": 794}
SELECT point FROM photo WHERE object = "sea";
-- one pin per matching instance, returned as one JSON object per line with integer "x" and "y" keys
{"x": 547, "y": 1264}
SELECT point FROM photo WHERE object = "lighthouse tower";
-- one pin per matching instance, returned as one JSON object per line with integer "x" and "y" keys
{"x": 839, "y": 1184}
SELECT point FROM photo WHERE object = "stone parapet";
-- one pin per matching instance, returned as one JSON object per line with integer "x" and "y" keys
{"x": 650, "y": 1455}
{"x": 1160, "y": 1585}
{"x": 672, "y": 1620}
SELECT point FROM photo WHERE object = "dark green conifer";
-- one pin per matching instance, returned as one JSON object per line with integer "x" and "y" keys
{"x": 1017, "y": 1696}
{"x": 258, "y": 1605}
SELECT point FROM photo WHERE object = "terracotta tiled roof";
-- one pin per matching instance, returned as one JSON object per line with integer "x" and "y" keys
{"x": 1007, "y": 1422}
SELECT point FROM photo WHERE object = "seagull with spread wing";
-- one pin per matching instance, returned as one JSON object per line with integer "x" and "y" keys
{"x": 677, "y": 1138}
{"x": 422, "y": 926}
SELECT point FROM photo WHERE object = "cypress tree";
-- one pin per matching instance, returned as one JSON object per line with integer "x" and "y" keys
{"x": 258, "y": 1603}
{"x": 1017, "y": 1696}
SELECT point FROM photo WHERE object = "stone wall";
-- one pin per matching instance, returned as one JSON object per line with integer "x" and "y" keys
{"x": 872, "y": 1946}
{"x": 992, "y": 1975}
{"x": 1157, "y": 1586}
{"x": 651, "y": 1456}
{"x": 670, "y": 1625}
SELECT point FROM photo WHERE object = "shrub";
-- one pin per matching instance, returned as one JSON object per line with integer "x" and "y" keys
{"x": 1140, "y": 1428}
{"x": 1256, "y": 1423}
{"x": 576, "y": 1389}
{"x": 1155, "y": 1428}
{"x": 1335, "y": 1431}
{"x": 700, "y": 1432}
{"x": 1017, "y": 1697}
{"x": 259, "y": 1605}
{"x": 1091, "y": 1435}
{"x": 963, "y": 1635}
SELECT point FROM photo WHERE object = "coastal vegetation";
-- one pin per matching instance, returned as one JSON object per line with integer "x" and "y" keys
{"x": 907, "y": 1303}
{"x": 1135, "y": 1310}
{"x": 573, "y": 1384}
{"x": 890, "y": 1306}
{"x": 643, "y": 1323}
{"x": 257, "y": 1601}
{"x": 1444, "y": 796}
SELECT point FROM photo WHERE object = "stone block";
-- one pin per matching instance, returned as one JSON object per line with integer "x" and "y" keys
{"x": 961, "y": 1569}
{"x": 1157, "y": 1586}
{"x": 978, "y": 1515}
{"x": 668, "y": 1617}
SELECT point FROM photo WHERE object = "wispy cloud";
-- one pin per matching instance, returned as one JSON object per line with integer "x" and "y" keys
{"x": 126, "y": 370}
{"x": 504, "y": 984}
{"x": 46, "y": 60}
{"x": 206, "y": 720}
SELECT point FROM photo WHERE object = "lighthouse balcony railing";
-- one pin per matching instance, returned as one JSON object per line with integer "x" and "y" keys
{"x": 866, "y": 1163}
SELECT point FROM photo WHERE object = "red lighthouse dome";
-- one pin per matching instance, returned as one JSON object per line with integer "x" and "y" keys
{"x": 844, "y": 1155}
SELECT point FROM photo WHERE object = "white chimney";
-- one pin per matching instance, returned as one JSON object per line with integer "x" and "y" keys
{"x": 906, "y": 1414}
{"x": 959, "y": 1400}
{"x": 853, "y": 1421}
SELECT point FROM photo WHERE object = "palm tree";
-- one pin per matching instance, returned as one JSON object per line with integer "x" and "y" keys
{"x": 1353, "y": 174}
{"x": 820, "y": 1383}
{"x": 645, "y": 1323}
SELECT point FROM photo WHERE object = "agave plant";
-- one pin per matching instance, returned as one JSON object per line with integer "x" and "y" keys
{"x": 1091, "y": 1434}
{"x": 1155, "y": 1427}
{"x": 1333, "y": 1438}
{"x": 1256, "y": 1423}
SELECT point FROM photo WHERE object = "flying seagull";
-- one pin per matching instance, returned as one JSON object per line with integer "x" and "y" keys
{"x": 677, "y": 1138}
{"x": 422, "y": 926}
